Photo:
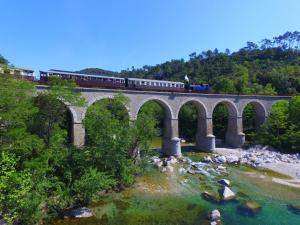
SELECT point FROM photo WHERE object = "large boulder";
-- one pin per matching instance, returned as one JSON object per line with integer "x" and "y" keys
{"x": 82, "y": 212}
{"x": 249, "y": 208}
{"x": 227, "y": 193}
{"x": 214, "y": 215}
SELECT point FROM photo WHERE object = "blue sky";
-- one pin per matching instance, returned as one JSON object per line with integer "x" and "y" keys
{"x": 115, "y": 35}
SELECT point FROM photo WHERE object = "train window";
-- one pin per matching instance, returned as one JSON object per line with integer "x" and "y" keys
{"x": 152, "y": 83}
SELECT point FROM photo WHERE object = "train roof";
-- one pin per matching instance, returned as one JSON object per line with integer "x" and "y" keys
{"x": 150, "y": 80}
{"x": 81, "y": 74}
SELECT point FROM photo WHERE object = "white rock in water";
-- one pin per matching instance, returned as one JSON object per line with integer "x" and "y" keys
{"x": 162, "y": 169}
{"x": 233, "y": 159}
{"x": 82, "y": 212}
{"x": 155, "y": 159}
{"x": 207, "y": 159}
{"x": 172, "y": 160}
{"x": 224, "y": 182}
{"x": 221, "y": 159}
{"x": 221, "y": 167}
{"x": 158, "y": 164}
{"x": 227, "y": 193}
{"x": 181, "y": 170}
{"x": 169, "y": 169}
{"x": 215, "y": 215}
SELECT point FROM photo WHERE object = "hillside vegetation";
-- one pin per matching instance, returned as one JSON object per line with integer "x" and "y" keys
{"x": 271, "y": 66}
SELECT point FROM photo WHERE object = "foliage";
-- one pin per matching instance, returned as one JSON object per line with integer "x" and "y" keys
{"x": 188, "y": 119}
{"x": 113, "y": 142}
{"x": 220, "y": 120}
{"x": 3, "y": 61}
{"x": 271, "y": 67}
{"x": 282, "y": 128}
{"x": 86, "y": 188}
{"x": 14, "y": 188}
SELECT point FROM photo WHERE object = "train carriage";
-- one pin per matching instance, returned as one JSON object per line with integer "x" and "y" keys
{"x": 154, "y": 85}
{"x": 85, "y": 80}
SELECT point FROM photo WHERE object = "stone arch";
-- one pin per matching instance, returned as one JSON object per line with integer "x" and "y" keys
{"x": 260, "y": 112}
{"x": 99, "y": 98}
{"x": 234, "y": 135}
{"x": 202, "y": 125}
{"x": 231, "y": 107}
{"x": 170, "y": 124}
{"x": 201, "y": 108}
{"x": 165, "y": 105}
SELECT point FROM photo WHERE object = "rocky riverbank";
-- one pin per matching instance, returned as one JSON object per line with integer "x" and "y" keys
{"x": 266, "y": 157}
{"x": 257, "y": 156}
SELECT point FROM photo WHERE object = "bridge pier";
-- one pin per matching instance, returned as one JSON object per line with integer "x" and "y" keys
{"x": 78, "y": 134}
{"x": 205, "y": 140}
{"x": 234, "y": 135}
{"x": 170, "y": 131}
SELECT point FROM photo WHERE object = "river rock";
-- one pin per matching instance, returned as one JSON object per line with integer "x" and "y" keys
{"x": 224, "y": 182}
{"x": 294, "y": 208}
{"x": 82, "y": 212}
{"x": 249, "y": 208}
{"x": 227, "y": 193}
{"x": 191, "y": 171}
{"x": 210, "y": 197}
{"x": 207, "y": 159}
{"x": 172, "y": 160}
{"x": 215, "y": 215}
{"x": 221, "y": 168}
{"x": 155, "y": 159}
{"x": 221, "y": 159}
{"x": 162, "y": 169}
{"x": 232, "y": 159}
{"x": 158, "y": 164}
{"x": 181, "y": 170}
{"x": 169, "y": 169}
{"x": 166, "y": 163}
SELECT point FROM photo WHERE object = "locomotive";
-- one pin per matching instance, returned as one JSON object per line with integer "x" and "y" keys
{"x": 103, "y": 81}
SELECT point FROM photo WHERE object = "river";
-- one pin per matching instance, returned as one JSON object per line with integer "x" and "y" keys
{"x": 174, "y": 198}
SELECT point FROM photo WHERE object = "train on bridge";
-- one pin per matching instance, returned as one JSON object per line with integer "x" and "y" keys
{"x": 111, "y": 82}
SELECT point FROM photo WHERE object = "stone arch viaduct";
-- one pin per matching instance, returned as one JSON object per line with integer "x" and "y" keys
{"x": 172, "y": 102}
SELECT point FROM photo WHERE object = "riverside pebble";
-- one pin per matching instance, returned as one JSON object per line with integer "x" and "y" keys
{"x": 82, "y": 212}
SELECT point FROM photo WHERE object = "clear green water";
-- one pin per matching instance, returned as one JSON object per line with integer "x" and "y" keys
{"x": 165, "y": 199}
